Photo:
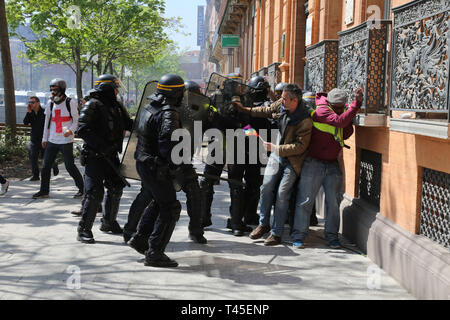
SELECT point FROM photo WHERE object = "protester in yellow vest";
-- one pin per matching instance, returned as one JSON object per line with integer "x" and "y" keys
{"x": 332, "y": 124}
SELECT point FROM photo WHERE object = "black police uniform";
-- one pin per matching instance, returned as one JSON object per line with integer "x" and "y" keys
{"x": 157, "y": 122}
{"x": 102, "y": 123}
{"x": 189, "y": 185}
{"x": 226, "y": 119}
{"x": 245, "y": 200}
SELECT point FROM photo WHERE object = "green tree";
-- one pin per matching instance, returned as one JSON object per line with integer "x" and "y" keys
{"x": 167, "y": 61}
{"x": 7, "y": 74}
{"x": 81, "y": 32}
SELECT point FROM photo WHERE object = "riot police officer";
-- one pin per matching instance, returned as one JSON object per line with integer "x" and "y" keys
{"x": 102, "y": 125}
{"x": 244, "y": 201}
{"x": 157, "y": 121}
{"x": 191, "y": 187}
{"x": 226, "y": 119}
{"x": 279, "y": 90}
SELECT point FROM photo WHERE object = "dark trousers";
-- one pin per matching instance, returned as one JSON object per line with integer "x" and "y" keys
{"x": 51, "y": 151}
{"x": 161, "y": 215}
{"x": 207, "y": 188}
{"x": 143, "y": 199}
{"x": 191, "y": 188}
{"x": 35, "y": 151}
{"x": 99, "y": 175}
{"x": 244, "y": 200}
{"x": 2, "y": 179}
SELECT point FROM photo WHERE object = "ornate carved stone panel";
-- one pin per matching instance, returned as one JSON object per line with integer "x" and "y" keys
{"x": 321, "y": 66}
{"x": 420, "y": 66}
{"x": 362, "y": 63}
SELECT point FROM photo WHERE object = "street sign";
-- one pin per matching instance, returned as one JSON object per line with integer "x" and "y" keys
{"x": 230, "y": 40}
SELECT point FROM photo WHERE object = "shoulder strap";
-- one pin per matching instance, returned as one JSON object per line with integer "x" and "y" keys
{"x": 69, "y": 109}
{"x": 51, "y": 114}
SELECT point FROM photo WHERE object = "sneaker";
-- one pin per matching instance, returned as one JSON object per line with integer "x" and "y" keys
{"x": 272, "y": 240}
{"x": 85, "y": 236}
{"x": 35, "y": 178}
{"x": 198, "y": 238}
{"x": 113, "y": 227}
{"x": 55, "y": 171}
{"x": 78, "y": 195}
{"x": 5, "y": 187}
{"x": 40, "y": 195}
{"x": 298, "y": 244}
{"x": 259, "y": 232}
{"x": 335, "y": 244}
{"x": 159, "y": 260}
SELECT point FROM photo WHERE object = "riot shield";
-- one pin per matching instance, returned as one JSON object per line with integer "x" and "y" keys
{"x": 194, "y": 108}
{"x": 128, "y": 167}
{"x": 222, "y": 90}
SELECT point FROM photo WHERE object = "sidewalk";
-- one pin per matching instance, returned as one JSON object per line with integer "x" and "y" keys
{"x": 41, "y": 259}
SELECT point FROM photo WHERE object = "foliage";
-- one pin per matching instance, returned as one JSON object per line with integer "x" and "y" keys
{"x": 167, "y": 62}
{"x": 16, "y": 147}
{"x": 80, "y": 32}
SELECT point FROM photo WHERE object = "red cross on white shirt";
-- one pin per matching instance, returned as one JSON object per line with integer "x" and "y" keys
{"x": 59, "y": 120}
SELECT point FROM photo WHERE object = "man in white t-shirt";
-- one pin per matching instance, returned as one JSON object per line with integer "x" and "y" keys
{"x": 61, "y": 121}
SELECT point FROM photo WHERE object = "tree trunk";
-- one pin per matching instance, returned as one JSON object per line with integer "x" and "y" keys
{"x": 8, "y": 76}
{"x": 79, "y": 76}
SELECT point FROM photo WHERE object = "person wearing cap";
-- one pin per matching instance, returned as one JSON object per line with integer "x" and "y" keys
{"x": 332, "y": 125}
{"x": 61, "y": 121}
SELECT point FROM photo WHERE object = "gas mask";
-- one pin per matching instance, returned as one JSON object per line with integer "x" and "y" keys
{"x": 56, "y": 95}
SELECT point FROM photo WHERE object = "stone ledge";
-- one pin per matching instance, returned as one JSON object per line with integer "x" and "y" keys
{"x": 420, "y": 265}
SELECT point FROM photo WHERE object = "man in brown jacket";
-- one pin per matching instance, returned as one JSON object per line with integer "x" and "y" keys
{"x": 285, "y": 161}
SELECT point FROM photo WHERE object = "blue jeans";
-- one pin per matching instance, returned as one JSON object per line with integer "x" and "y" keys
{"x": 51, "y": 151}
{"x": 279, "y": 180}
{"x": 315, "y": 174}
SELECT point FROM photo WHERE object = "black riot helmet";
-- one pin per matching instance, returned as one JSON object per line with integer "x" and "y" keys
{"x": 236, "y": 77}
{"x": 309, "y": 99}
{"x": 192, "y": 86}
{"x": 108, "y": 82}
{"x": 280, "y": 87}
{"x": 258, "y": 83}
{"x": 259, "y": 88}
{"x": 171, "y": 86}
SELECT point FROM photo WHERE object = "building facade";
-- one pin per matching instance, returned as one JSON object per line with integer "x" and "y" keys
{"x": 397, "y": 172}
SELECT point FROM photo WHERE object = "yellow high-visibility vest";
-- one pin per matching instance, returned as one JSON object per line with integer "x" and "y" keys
{"x": 337, "y": 133}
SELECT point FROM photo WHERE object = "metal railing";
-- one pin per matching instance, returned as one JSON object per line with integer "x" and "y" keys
{"x": 435, "y": 206}
{"x": 370, "y": 177}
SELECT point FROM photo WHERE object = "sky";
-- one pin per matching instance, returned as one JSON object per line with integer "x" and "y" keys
{"x": 187, "y": 10}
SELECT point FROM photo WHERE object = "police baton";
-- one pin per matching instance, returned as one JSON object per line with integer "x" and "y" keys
{"x": 116, "y": 170}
